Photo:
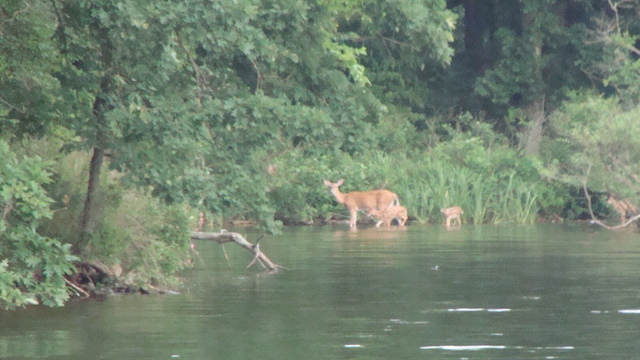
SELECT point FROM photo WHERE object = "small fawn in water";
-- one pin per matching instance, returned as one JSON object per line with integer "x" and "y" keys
{"x": 452, "y": 213}
{"x": 386, "y": 216}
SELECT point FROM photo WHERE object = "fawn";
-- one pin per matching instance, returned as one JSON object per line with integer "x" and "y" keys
{"x": 385, "y": 216}
{"x": 452, "y": 213}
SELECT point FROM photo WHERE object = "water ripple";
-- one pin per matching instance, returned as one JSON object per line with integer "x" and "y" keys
{"x": 491, "y": 347}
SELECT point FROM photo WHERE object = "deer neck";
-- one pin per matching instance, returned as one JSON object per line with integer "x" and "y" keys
{"x": 340, "y": 197}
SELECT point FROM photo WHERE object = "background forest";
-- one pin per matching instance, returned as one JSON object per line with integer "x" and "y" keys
{"x": 121, "y": 121}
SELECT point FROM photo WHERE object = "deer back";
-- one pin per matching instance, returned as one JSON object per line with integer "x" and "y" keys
{"x": 622, "y": 206}
{"x": 389, "y": 212}
{"x": 367, "y": 200}
{"x": 452, "y": 211}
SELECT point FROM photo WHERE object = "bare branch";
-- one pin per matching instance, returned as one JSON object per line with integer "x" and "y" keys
{"x": 225, "y": 237}
{"x": 11, "y": 105}
{"x": 257, "y": 257}
{"x": 15, "y": 14}
{"x": 595, "y": 220}
{"x": 77, "y": 288}
{"x": 201, "y": 79}
{"x": 624, "y": 4}
{"x": 259, "y": 77}
{"x": 7, "y": 209}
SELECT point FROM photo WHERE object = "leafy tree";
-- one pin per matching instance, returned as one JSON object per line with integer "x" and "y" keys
{"x": 33, "y": 267}
{"x": 611, "y": 51}
{"x": 29, "y": 91}
{"x": 406, "y": 43}
{"x": 192, "y": 99}
{"x": 514, "y": 63}
{"x": 600, "y": 148}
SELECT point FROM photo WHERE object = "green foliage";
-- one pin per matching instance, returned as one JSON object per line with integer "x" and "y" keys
{"x": 199, "y": 102}
{"x": 150, "y": 241}
{"x": 490, "y": 184}
{"x": 33, "y": 266}
{"x": 158, "y": 240}
{"x": 488, "y": 179}
{"x": 511, "y": 55}
{"x": 598, "y": 145}
{"x": 189, "y": 99}
{"x": 29, "y": 90}
{"x": 146, "y": 238}
{"x": 516, "y": 70}
{"x": 610, "y": 53}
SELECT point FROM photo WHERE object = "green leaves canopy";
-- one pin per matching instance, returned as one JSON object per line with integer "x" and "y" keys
{"x": 184, "y": 96}
{"x": 600, "y": 146}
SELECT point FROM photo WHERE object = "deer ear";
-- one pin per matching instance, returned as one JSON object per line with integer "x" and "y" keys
{"x": 340, "y": 182}
{"x": 327, "y": 182}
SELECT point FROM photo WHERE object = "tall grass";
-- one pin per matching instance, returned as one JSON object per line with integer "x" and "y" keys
{"x": 492, "y": 184}
{"x": 427, "y": 184}
{"x": 517, "y": 203}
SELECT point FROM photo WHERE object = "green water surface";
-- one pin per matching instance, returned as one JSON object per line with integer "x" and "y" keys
{"x": 419, "y": 292}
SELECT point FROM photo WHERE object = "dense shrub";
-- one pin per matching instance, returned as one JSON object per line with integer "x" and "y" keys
{"x": 488, "y": 179}
{"x": 33, "y": 266}
{"x": 147, "y": 239}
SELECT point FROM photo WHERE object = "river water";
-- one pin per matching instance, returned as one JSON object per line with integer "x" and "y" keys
{"x": 419, "y": 292}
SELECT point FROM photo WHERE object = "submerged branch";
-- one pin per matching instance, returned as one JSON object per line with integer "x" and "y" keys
{"x": 224, "y": 237}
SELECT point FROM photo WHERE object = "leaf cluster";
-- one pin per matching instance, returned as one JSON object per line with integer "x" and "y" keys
{"x": 34, "y": 266}
{"x": 598, "y": 145}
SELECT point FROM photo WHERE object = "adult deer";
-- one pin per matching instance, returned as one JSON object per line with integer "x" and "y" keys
{"x": 362, "y": 200}
{"x": 452, "y": 213}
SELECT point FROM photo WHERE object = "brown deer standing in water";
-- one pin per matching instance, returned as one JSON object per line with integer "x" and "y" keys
{"x": 622, "y": 207}
{"x": 362, "y": 200}
{"x": 452, "y": 213}
{"x": 386, "y": 216}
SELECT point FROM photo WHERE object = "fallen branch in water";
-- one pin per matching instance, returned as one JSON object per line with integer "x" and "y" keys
{"x": 594, "y": 219}
{"x": 224, "y": 237}
{"x": 77, "y": 288}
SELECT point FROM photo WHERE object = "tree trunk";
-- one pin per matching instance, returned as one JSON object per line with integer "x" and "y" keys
{"x": 100, "y": 107}
{"x": 533, "y": 134}
{"x": 87, "y": 221}
{"x": 478, "y": 25}
{"x": 535, "y": 110}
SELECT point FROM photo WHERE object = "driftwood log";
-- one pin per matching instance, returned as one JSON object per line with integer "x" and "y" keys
{"x": 224, "y": 236}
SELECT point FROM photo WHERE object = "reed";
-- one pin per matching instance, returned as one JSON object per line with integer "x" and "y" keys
{"x": 516, "y": 201}
{"x": 480, "y": 201}
{"x": 491, "y": 185}
{"x": 426, "y": 184}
